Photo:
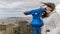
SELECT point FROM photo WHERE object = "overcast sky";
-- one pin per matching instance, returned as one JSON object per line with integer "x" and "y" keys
{"x": 15, "y": 8}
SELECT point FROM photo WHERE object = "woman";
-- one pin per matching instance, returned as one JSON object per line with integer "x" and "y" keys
{"x": 51, "y": 20}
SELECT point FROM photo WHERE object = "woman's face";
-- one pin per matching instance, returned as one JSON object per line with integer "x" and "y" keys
{"x": 48, "y": 10}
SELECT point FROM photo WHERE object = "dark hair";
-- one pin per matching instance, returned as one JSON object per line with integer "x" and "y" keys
{"x": 51, "y": 5}
{"x": 44, "y": 14}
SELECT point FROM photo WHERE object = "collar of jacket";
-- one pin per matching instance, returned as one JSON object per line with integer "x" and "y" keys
{"x": 52, "y": 12}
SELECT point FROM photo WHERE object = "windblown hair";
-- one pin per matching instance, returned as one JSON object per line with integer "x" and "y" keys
{"x": 44, "y": 15}
{"x": 51, "y": 5}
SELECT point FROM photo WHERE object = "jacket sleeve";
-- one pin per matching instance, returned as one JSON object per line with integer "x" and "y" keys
{"x": 57, "y": 19}
{"x": 56, "y": 30}
{"x": 48, "y": 24}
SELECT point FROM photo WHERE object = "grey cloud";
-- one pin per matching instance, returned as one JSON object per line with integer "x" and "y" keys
{"x": 15, "y": 8}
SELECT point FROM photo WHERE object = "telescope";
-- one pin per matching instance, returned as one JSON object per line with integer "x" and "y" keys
{"x": 36, "y": 22}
